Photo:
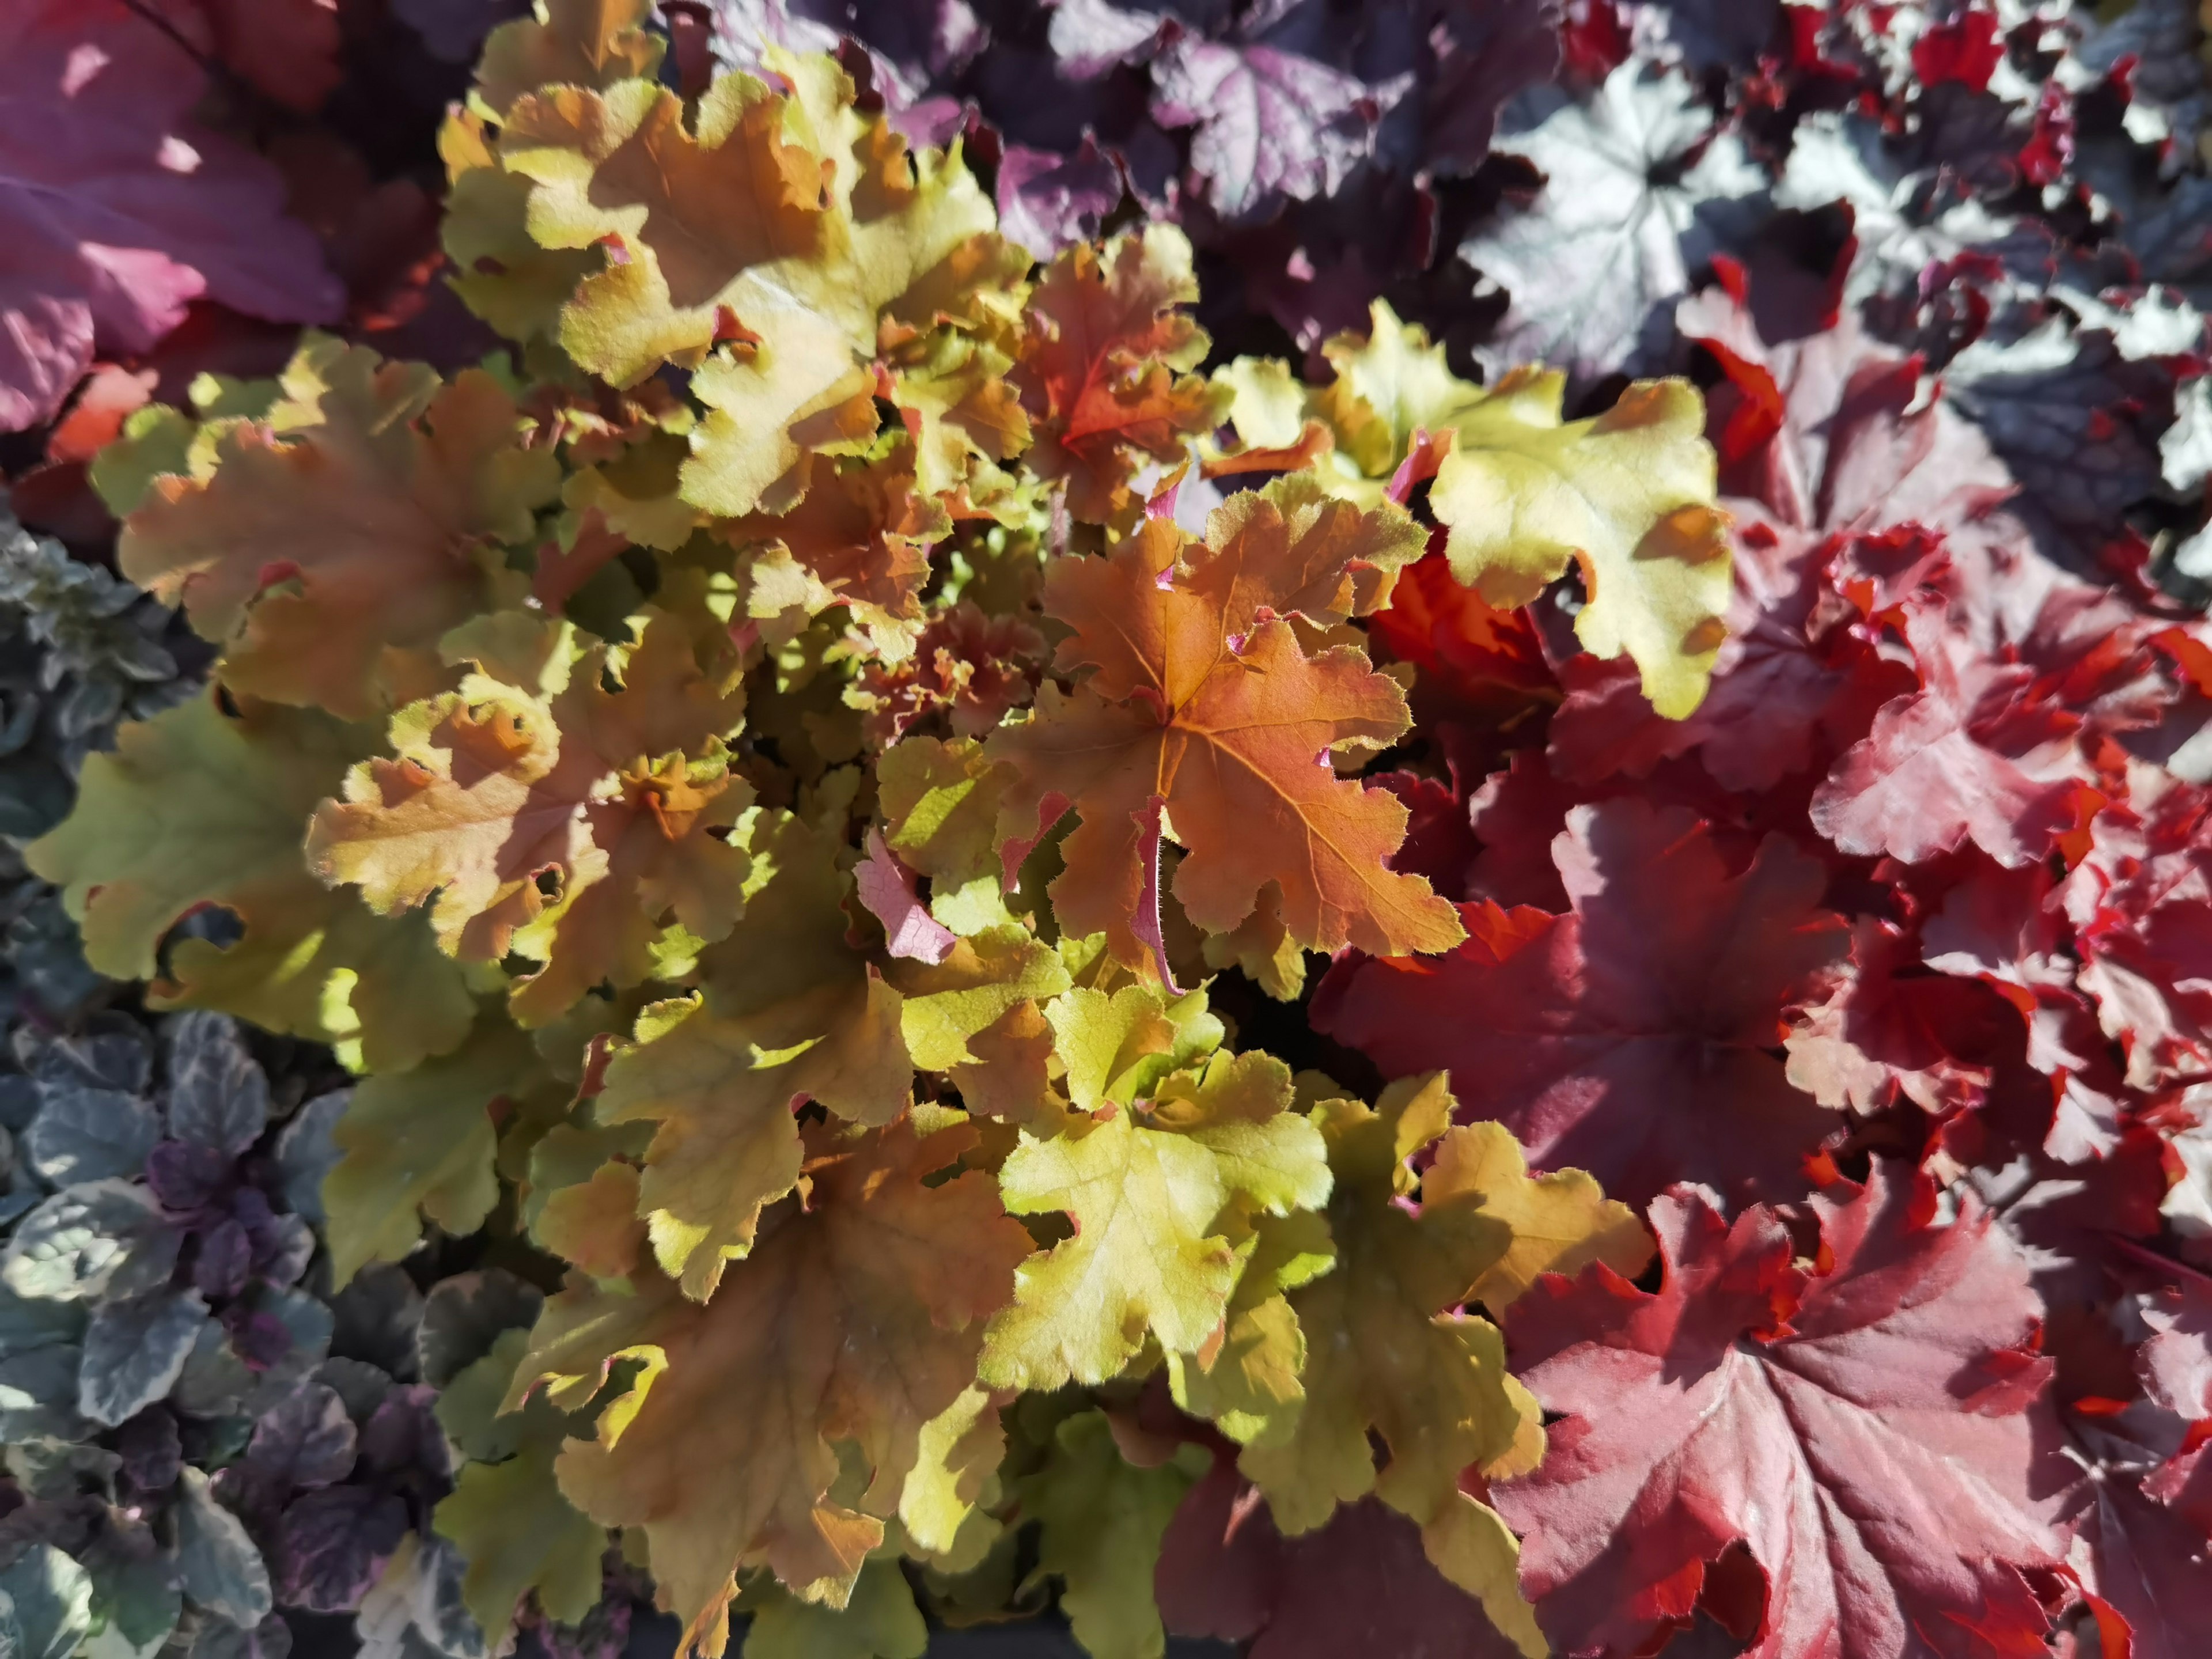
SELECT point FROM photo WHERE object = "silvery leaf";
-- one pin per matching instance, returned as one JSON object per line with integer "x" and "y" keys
{"x": 105, "y": 1237}
{"x": 83, "y": 1134}
{"x": 218, "y": 1096}
{"x": 1639, "y": 191}
{"x": 135, "y": 1350}
{"x": 305, "y": 1153}
{"x": 216, "y": 1562}
{"x": 215, "y": 1382}
{"x": 46, "y": 1604}
{"x": 218, "y": 1638}
{"x": 29, "y": 1323}
{"x": 379, "y": 1312}
{"x": 38, "y": 1396}
{"x": 113, "y": 1057}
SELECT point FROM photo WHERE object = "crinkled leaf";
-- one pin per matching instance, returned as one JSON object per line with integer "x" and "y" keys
{"x": 135, "y": 1350}
{"x": 199, "y": 807}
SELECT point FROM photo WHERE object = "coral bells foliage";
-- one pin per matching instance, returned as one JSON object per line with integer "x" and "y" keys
{"x": 806, "y": 788}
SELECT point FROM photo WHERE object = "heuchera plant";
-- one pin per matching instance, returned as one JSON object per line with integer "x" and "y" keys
{"x": 759, "y": 781}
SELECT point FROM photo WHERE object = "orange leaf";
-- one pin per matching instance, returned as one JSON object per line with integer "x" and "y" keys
{"x": 857, "y": 1318}
{"x": 1202, "y": 698}
{"x": 336, "y": 543}
{"x": 1102, "y": 369}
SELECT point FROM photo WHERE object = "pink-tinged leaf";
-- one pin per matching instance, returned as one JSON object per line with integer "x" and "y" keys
{"x": 1858, "y": 1427}
{"x": 888, "y": 888}
{"x": 1972, "y": 756}
{"x": 1633, "y": 1036}
{"x": 116, "y": 211}
{"x": 2176, "y": 1363}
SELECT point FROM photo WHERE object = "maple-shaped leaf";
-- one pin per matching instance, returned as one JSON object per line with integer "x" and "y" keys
{"x": 1640, "y": 191}
{"x": 1634, "y": 1036}
{"x": 779, "y": 221}
{"x": 728, "y": 1142}
{"x": 567, "y": 43}
{"x": 1626, "y": 496}
{"x": 338, "y": 539}
{"x": 1204, "y": 717}
{"x": 1269, "y": 122}
{"x": 1388, "y": 1351}
{"x": 1154, "y": 1194}
{"x": 860, "y": 539}
{"x": 1103, "y": 369}
{"x": 613, "y": 797}
{"x": 2141, "y": 1557}
{"x": 2142, "y": 909}
{"x": 1975, "y": 755}
{"x": 419, "y": 1144}
{"x": 201, "y": 808}
{"x": 1856, "y": 1427}
{"x": 856, "y": 1319}
{"x": 120, "y": 212}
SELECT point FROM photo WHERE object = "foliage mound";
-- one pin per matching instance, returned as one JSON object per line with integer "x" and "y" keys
{"x": 987, "y": 949}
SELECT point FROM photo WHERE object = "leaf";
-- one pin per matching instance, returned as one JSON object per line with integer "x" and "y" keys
{"x": 727, "y": 1142}
{"x": 338, "y": 540}
{"x": 1625, "y": 496}
{"x": 879, "y": 1620}
{"x": 1639, "y": 191}
{"x": 1388, "y": 1352}
{"x": 135, "y": 1350}
{"x": 2140, "y": 1555}
{"x": 612, "y": 795}
{"x": 199, "y": 808}
{"x": 103, "y": 1238}
{"x": 1269, "y": 122}
{"x": 1633, "y": 1036}
{"x": 1150, "y": 1196}
{"x": 47, "y": 1608}
{"x": 856, "y": 1319}
{"x": 576, "y": 43}
{"x": 98, "y": 105}
{"x": 1971, "y": 757}
{"x": 521, "y": 1536}
{"x": 1102, "y": 1519}
{"x": 859, "y": 539}
{"x": 1858, "y": 1430}
{"x": 418, "y": 1145}
{"x": 1103, "y": 371}
{"x": 218, "y": 1097}
{"x": 217, "y": 1564}
{"x": 1201, "y": 704}
{"x": 786, "y": 223}
{"x": 90, "y": 1135}
{"x": 1561, "y": 1222}
{"x": 1361, "y": 1583}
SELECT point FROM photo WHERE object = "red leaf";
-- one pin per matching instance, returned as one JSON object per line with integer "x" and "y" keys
{"x": 1631, "y": 1037}
{"x": 1967, "y": 50}
{"x": 1359, "y": 1585}
{"x": 1846, "y": 1426}
{"x": 117, "y": 212}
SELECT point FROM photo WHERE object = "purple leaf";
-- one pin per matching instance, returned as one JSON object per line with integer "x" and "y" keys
{"x": 330, "y": 1544}
{"x": 225, "y": 1260}
{"x": 185, "y": 1177}
{"x": 1047, "y": 202}
{"x": 1269, "y": 122}
{"x": 306, "y": 1440}
{"x": 150, "y": 1448}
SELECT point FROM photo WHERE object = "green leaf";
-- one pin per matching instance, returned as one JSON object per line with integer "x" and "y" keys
{"x": 1102, "y": 1520}
{"x": 200, "y": 808}
{"x": 1628, "y": 496}
{"x": 420, "y": 1145}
